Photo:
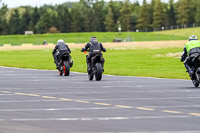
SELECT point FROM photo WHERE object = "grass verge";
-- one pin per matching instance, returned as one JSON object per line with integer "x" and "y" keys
{"x": 84, "y": 37}
{"x": 186, "y": 32}
{"x": 133, "y": 62}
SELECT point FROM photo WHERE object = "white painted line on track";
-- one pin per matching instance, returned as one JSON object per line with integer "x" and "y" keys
{"x": 6, "y": 92}
{"x": 195, "y": 114}
{"x": 81, "y": 101}
{"x": 147, "y": 109}
{"x": 123, "y": 106}
{"x": 57, "y": 109}
{"x": 105, "y": 104}
{"x": 171, "y": 111}
{"x": 98, "y": 119}
{"x": 49, "y": 97}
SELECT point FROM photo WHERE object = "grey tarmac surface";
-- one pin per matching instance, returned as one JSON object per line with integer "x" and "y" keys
{"x": 42, "y": 101}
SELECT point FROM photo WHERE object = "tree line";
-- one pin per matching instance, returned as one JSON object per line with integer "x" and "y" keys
{"x": 99, "y": 16}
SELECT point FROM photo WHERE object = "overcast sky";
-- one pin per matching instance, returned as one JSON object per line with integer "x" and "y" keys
{"x": 16, "y": 3}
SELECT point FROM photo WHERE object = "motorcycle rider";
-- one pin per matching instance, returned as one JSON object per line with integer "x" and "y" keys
{"x": 60, "y": 48}
{"x": 93, "y": 45}
{"x": 189, "y": 53}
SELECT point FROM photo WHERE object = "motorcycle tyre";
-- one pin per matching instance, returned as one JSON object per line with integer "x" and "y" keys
{"x": 66, "y": 68}
{"x": 98, "y": 74}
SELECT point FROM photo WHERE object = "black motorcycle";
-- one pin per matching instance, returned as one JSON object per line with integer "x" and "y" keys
{"x": 96, "y": 66}
{"x": 196, "y": 67}
{"x": 64, "y": 64}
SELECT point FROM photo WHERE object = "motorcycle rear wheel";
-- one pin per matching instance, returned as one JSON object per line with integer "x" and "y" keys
{"x": 98, "y": 74}
{"x": 66, "y": 68}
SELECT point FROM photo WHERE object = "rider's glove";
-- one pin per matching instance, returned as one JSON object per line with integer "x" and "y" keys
{"x": 83, "y": 49}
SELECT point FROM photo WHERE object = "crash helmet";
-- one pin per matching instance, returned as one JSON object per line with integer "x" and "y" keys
{"x": 93, "y": 39}
{"x": 60, "y": 41}
{"x": 193, "y": 37}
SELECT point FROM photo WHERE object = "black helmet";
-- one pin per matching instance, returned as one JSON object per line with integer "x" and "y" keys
{"x": 93, "y": 39}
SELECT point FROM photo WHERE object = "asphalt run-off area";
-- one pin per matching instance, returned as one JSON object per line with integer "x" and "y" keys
{"x": 41, "y": 101}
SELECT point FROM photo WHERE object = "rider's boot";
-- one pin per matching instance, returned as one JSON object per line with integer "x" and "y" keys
{"x": 71, "y": 63}
{"x": 190, "y": 71}
{"x": 57, "y": 66}
{"x": 88, "y": 67}
{"x": 103, "y": 65}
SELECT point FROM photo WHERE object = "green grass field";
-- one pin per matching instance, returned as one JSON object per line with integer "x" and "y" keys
{"x": 84, "y": 37}
{"x": 179, "y": 34}
{"x": 136, "y": 62}
{"x": 182, "y": 32}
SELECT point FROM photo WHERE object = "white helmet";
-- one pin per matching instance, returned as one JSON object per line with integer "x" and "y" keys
{"x": 193, "y": 37}
{"x": 60, "y": 41}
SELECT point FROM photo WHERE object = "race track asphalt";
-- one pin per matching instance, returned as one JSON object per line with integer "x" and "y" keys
{"x": 41, "y": 101}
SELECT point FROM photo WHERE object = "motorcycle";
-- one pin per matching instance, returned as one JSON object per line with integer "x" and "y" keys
{"x": 64, "y": 64}
{"x": 96, "y": 66}
{"x": 196, "y": 67}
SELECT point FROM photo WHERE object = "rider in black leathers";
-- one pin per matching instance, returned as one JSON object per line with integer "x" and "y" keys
{"x": 58, "y": 50}
{"x": 93, "y": 45}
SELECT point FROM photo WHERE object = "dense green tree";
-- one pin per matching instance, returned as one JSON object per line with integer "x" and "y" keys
{"x": 95, "y": 15}
{"x": 125, "y": 16}
{"x": 99, "y": 16}
{"x": 47, "y": 20}
{"x": 171, "y": 16}
{"x": 35, "y": 17}
{"x": 87, "y": 14}
{"x": 3, "y": 22}
{"x": 144, "y": 19}
{"x": 14, "y": 23}
{"x": 77, "y": 20}
{"x": 109, "y": 22}
{"x": 135, "y": 9}
{"x": 183, "y": 12}
{"x": 25, "y": 22}
{"x": 158, "y": 15}
{"x": 116, "y": 7}
{"x": 63, "y": 19}
{"x": 193, "y": 10}
{"x": 151, "y": 6}
{"x": 197, "y": 16}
